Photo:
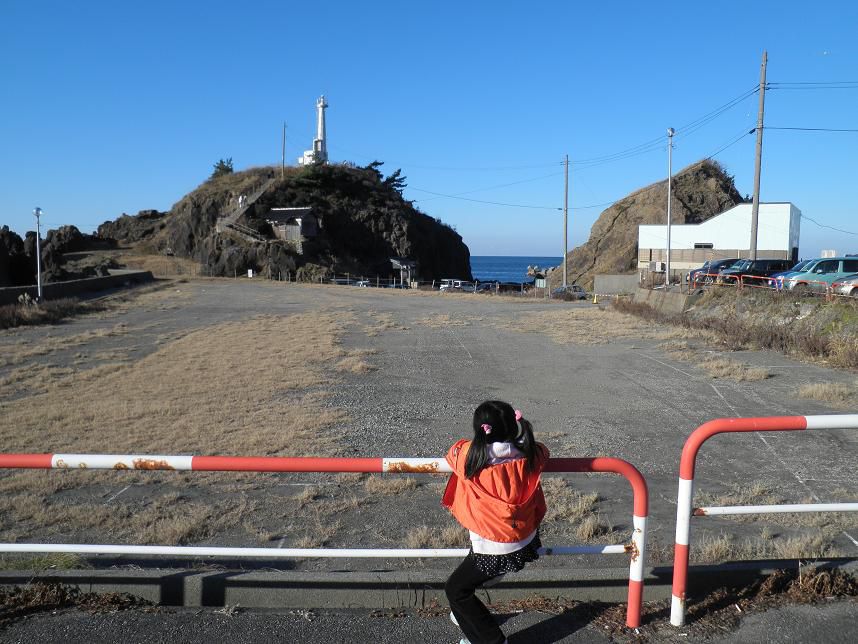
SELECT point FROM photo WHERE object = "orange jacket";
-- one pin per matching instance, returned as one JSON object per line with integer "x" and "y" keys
{"x": 503, "y": 503}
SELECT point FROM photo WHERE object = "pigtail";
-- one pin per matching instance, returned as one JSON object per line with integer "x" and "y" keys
{"x": 478, "y": 456}
{"x": 495, "y": 420}
{"x": 526, "y": 443}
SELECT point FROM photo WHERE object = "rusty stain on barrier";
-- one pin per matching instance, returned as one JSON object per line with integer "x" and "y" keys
{"x": 151, "y": 464}
{"x": 698, "y": 512}
{"x": 632, "y": 549}
{"x": 120, "y": 466}
{"x": 402, "y": 467}
{"x": 61, "y": 464}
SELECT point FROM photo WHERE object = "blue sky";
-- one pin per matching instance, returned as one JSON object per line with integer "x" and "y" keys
{"x": 112, "y": 107}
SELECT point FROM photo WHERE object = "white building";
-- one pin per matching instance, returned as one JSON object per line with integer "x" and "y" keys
{"x": 722, "y": 236}
{"x": 319, "y": 153}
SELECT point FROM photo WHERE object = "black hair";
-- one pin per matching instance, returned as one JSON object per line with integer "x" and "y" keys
{"x": 501, "y": 417}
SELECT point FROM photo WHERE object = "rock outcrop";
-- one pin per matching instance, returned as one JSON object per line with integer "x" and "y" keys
{"x": 364, "y": 222}
{"x": 700, "y": 191}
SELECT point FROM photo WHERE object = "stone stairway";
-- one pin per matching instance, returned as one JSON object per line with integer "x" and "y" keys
{"x": 227, "y": 223}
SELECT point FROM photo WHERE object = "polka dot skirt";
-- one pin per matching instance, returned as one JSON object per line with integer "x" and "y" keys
{"x": 494, "y": 565}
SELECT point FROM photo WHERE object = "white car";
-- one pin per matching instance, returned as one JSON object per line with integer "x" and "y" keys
{"x": 847, "y": 286}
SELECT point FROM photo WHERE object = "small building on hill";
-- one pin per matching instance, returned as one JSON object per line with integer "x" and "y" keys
{"x": 294, "y": 225}
{"x": 726, "y": 235}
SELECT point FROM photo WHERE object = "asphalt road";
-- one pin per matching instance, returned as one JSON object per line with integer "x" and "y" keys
{"x": 445, "y": 354}
{"x": 832, "y": 623}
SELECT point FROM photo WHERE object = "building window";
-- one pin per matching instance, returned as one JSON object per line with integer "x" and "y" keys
{"x": 703, "y": 245}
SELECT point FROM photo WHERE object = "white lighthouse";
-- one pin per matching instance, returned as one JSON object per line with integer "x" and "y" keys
{"x": 319, "y": 153}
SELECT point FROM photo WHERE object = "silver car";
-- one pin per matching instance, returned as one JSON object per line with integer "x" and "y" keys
{"x": 847, "y": 286}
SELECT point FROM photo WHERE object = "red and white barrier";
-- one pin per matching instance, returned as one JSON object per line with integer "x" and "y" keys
{"x": 684, "y": 509}
{"x": 635, "y": 548}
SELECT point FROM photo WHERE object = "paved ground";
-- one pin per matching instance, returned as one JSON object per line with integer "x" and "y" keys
{"x": 440, "y": 355}
{"x": 829, "y": 624}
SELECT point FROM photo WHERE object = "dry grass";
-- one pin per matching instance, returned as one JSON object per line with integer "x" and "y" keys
{"x": 20, "y": 351}
{"x": 202, "y": 393}
{"x": 442, "y": 320}
{"x": 451, "y": 536}
{"x": 319, "y": 528}
{"x": 250, "y": 387}
{"x": 568, "y": 507}
{"x": 588, "y": 326}
{"x": 723, "y": 547}
{"x": 389, "y": 486}
{"x": 355, "y": 364}
{"x": 726, "y": 369}
{"x": 48, "y": 312}
{"x": 383, "y": 322}
{"x": 834, "y": 393}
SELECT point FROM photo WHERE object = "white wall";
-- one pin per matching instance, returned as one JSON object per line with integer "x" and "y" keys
{"x": 778, "y": 228}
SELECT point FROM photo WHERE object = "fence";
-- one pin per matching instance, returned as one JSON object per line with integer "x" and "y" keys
{"x": 820, "y": 288}
{"x": 684, "y": 510}
{"x": 635, "y": 548}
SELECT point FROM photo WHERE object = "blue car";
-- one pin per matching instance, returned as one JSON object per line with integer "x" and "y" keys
{"x": 777, "y": 280}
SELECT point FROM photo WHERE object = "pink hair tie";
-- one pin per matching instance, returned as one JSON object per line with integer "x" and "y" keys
{"x": 518, "y": 415}
{"x": 486, "y": 428}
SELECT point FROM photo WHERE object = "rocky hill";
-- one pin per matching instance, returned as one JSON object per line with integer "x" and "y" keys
{"x": 365, "y": 222}
{"x": 700, "y": 191}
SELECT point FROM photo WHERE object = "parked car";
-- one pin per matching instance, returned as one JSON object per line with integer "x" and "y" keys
{"x": 847, "y": 286}
{"x": 362, "y": 283}
{"x": 570, "y": 292}
{"x": 455, "y": 285}
{"x": 704, "y": 274}
{"x": 777, "y": 280}
{"x": 754, "y": 268}
{"x": 820, "y": 274}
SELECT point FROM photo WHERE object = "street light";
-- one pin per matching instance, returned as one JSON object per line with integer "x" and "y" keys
{"x": 670, "y": 133}
{"x": 38, "y": 213}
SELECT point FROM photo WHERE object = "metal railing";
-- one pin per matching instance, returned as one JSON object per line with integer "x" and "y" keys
{"x": 684, "y": 509}
{"x": 635, "y": 547}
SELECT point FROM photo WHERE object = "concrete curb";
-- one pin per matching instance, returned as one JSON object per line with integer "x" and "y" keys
{"x": 384, "y": 589}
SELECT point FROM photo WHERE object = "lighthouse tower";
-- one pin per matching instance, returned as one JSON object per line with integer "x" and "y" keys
{"x": 319, "y": 153}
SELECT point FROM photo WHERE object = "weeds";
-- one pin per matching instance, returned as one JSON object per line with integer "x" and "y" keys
{"x": 47, "y": 312}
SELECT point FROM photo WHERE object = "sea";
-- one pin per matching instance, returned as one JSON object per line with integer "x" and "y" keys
{"x": 500, "y": 268}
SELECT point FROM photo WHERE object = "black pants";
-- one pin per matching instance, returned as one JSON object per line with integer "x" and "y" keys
{"x": 474, "y": 618}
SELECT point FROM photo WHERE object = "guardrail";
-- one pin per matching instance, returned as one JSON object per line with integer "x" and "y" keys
{"x": 635, "y": 548}
{"x": 684, "y": 510}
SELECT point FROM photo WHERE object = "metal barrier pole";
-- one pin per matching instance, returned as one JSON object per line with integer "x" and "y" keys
{"x": 684, "y": 510}
{"x": 149, "y": 462}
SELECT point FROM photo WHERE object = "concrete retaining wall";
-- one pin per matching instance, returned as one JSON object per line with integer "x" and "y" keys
{"x": 386, "y": 589}
{"x": 615, "y": 284}
{"x": 665, "y": 301}
{"x": 72, "y": 288}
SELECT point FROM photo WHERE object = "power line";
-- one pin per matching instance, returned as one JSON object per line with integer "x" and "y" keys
{"x": 732, "y": 143}
{"x": 658, "y": 143}
{"x": 840, "y": 230}
{"x": 502, "y": 185}
{"x": 406, "y": 164}
{"x": 494, "y": 203}
{"x": 811, "y": 129}
{"x": 814, "y": 85}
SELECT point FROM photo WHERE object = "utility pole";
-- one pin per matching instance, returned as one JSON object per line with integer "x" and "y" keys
{"x": 670, "y": 133}
{"x": 565, "y": 219}
{"x": 283, "y": 155}
{"x": 38, "y": 213}
{"x": 755, "y": 206}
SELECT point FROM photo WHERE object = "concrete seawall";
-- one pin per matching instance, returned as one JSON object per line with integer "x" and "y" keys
{"x": 73, "y": 288}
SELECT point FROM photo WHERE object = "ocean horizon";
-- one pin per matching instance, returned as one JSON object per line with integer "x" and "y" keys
{"x": 508, "y": 268}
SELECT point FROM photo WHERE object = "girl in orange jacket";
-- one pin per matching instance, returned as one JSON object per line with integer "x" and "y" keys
{"x": 495, "y": 493}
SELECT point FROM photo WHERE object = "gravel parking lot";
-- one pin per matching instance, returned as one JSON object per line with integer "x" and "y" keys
{"x": 395, "y": 373}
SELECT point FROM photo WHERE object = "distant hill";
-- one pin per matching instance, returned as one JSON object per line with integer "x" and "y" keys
{"x": 365, "y": 222}
{"x": 700, "y": 191}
